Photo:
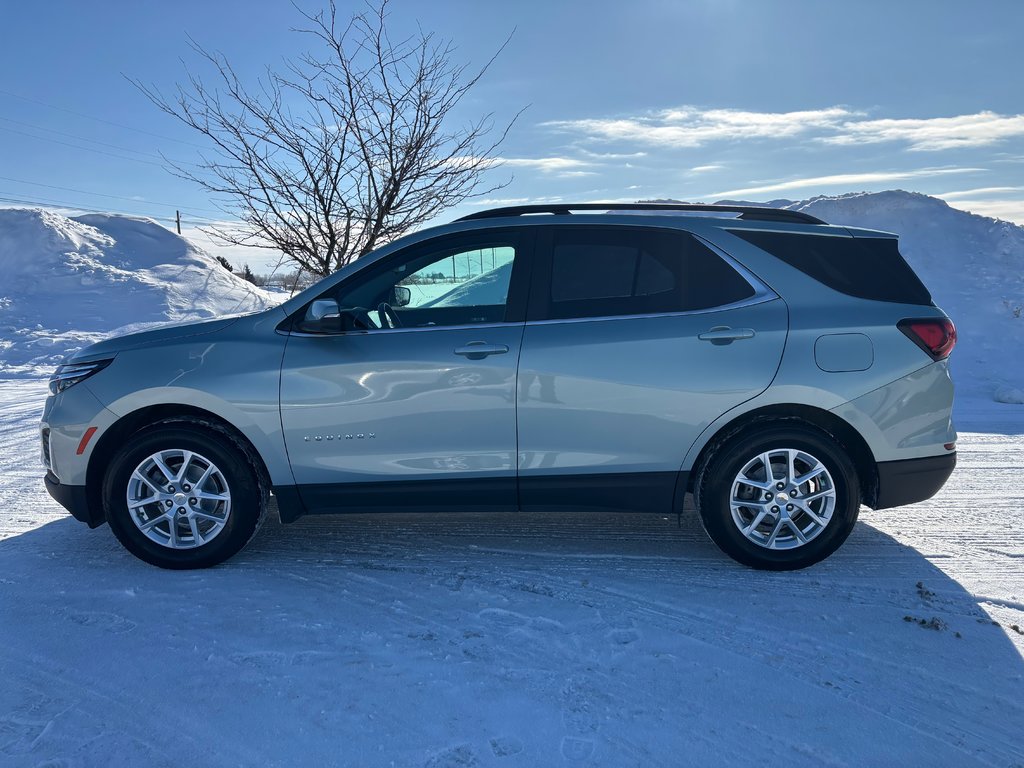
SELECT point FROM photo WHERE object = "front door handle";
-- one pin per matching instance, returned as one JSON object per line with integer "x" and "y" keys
{"x": 723, "y": 334}
{"x": 478, "y": 350}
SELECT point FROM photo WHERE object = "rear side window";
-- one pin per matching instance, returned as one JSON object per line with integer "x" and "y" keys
{"x": 599, "y": 272}
{"x": 865, "y": 267}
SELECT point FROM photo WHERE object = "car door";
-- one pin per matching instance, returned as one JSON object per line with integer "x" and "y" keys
{"x": 637, "y": 338}
{"x": 410, "y": 402}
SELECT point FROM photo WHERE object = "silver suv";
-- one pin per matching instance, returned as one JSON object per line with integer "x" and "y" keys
{"x": 782, "y": 370}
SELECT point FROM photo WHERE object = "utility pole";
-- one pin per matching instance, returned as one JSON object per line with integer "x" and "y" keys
{"x": 177, "y": 218}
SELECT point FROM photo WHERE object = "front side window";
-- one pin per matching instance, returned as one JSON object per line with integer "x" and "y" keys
{"x": 477, "y": 277}
{"x": 452, "y": 283}
{"x": 599, "y": 272}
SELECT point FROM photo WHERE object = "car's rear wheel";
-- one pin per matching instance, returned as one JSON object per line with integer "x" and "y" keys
{"x": 778, "y": 497}
{"x": 183, "y": 494}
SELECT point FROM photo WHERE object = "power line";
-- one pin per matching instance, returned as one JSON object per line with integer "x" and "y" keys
{"x": 98, "y": 119}
{"x": 8, "y": 197}
{"x": 82, "y": 138}
{"x": 87, "y": 149}
{"x": 112, "y": 197}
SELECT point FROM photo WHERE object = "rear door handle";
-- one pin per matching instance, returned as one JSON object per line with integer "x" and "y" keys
{"x": 723, "y": 334}
{"x": 478, "y": 350}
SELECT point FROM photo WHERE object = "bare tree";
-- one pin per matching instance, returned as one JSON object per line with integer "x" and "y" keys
{"x": 346, "y": 149}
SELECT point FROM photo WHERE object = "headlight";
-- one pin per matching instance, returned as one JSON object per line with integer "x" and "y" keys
{"x": 70, "y": 374}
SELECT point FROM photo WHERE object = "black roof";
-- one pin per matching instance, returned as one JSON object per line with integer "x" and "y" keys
{"x": 748, "y": 212}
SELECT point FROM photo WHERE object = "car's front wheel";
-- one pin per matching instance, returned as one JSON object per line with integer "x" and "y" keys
{"x": 778, "y": 497}
{"x": 183, "y": 494}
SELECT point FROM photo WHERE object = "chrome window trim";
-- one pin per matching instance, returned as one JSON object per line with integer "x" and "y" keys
{"x": 417, "y": 329}
{"x": 752, "y": 301}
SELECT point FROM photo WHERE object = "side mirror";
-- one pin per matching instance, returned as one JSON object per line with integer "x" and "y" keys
{"x": 400, "y": 296}
{"x": 323, "y": 316}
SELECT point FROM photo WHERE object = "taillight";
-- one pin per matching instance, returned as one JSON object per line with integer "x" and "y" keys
{"x": 936, "y": 336}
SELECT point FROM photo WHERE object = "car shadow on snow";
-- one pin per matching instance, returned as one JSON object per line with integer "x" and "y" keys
{"x": 613, "y": 639}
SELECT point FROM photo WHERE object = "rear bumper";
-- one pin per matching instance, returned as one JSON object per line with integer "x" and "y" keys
{"x": 912, "y": 480}
{"x": 75, "y": 500}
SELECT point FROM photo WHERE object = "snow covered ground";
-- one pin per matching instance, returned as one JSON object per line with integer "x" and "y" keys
{"x": 522, "y": 640}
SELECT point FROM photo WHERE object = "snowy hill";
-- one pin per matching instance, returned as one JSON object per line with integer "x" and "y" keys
{"x": 974, "y": 267}
{"x": 67, "y": 282}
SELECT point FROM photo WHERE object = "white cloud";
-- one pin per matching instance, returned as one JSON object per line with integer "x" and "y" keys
{"x": 613, "y": 155}
{"x": 705, "y": 168}
{"x": 545, "y": 164}
{"x": 465, "y": 162}
{"x": 843, "y": 180}
{"x": 998, "y": 202}
{"x": 498, "y": 201}
{"x": 689, "y": 126}
{"x": 979, "y": 191}
{"x": 933, "y": 133}
{"x": 559, "y": 167}
{"x": 1009, "y": 210}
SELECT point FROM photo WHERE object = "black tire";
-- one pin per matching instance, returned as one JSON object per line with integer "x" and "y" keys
{"x": 713, "y": 491}
{"x": 249, "y": 493}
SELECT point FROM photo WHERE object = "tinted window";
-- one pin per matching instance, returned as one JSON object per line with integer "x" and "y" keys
{"x": 866, "y": 267}
{"x": 711, "y": 282}
{"x": 652, "y": 277}
{"x": 592, "y": 271}
{"x": 598, "y": 272}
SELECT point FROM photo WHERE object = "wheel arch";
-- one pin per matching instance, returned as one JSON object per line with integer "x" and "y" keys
{"x": 127, "y": 425}
{"x": 835, "y": 427}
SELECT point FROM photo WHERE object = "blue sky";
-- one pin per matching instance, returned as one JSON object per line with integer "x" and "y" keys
{"x": 694, "y": 100}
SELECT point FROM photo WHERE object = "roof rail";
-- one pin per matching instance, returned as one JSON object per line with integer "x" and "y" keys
{"x": 749, "y": 212}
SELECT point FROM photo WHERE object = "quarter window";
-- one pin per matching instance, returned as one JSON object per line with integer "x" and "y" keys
{"x": 865, "y": 267}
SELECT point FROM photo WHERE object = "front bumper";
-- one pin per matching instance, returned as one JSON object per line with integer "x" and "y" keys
{"x": 75, "y": 500}
{"x": 912, "y": 480}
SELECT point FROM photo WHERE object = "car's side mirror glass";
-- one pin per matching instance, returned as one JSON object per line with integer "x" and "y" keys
{"x": 400, "y": 296}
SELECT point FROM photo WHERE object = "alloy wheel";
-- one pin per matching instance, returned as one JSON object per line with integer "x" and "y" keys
{"x": 782, "y": 498}
{"x": 178, "y": 499}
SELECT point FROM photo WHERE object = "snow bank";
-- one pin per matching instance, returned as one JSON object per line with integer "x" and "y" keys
{"x": 67, "y": 282}
{"x": 1010, "y": 395}
{"x": 974, "y": 267}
